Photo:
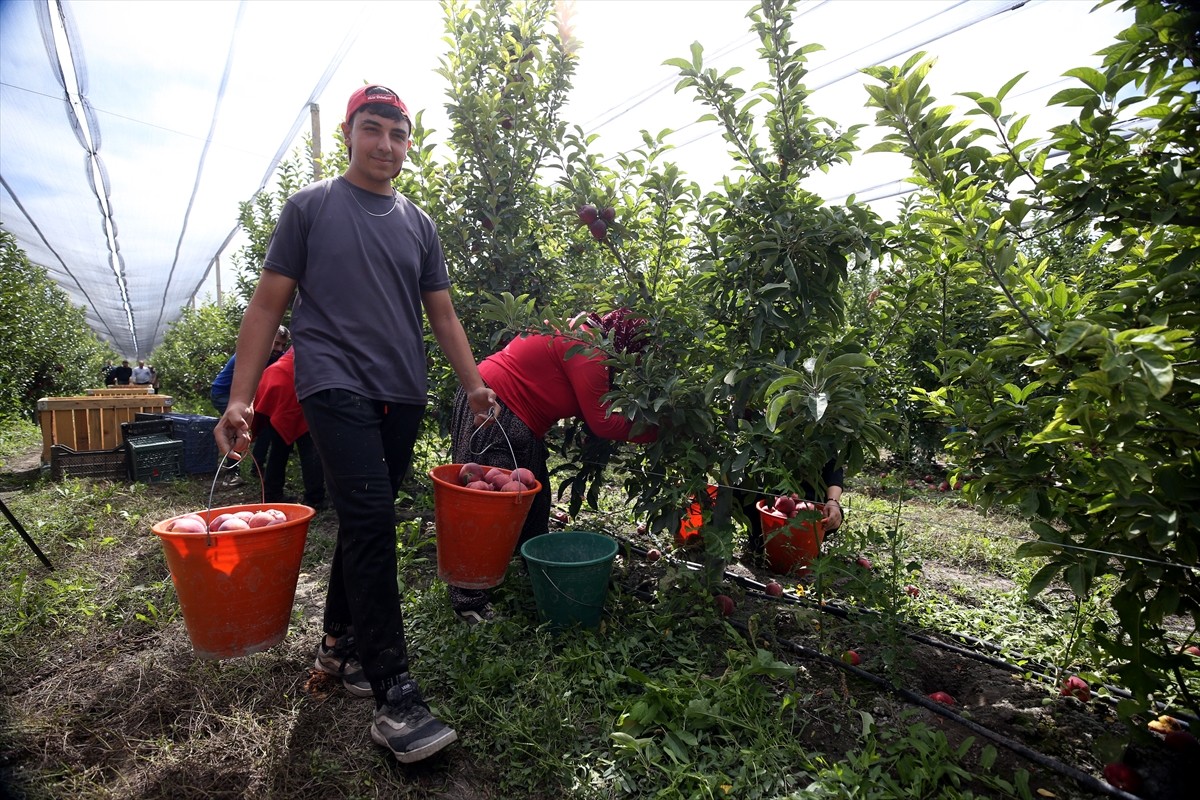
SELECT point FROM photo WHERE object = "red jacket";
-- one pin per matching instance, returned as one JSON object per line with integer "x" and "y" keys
{"x": 534, "y": 378}
{"x": 276, "y": 399}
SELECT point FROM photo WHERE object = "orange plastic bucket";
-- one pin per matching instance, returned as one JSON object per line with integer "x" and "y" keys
{"x": 791, "y": 544}
{"x": 477, "y": 531}
{"x": 236, "y": 588}
{"x": 693, "y": 521}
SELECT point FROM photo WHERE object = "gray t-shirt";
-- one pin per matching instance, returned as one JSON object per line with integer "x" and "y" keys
{"x": 358, "y": 322}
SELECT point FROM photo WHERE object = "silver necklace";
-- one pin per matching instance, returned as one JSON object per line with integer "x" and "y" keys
{"x": 395, "y": 202}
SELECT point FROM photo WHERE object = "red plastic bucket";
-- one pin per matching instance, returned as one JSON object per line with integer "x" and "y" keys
{"x": 236, "y": 588}
{"x": 477, "y": 530}
{"x": 693, "y": 521}
{"x": 791, "y": 544}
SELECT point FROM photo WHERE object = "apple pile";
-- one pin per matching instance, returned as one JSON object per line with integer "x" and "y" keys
{"x": 791, "y": 504}
{"x": 483, "y": 478}
{"x": 235, "y": 521}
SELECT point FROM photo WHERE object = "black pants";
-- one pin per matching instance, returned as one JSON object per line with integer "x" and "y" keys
{"x": 275, "y": 470}
{"x": 365, "y": 447}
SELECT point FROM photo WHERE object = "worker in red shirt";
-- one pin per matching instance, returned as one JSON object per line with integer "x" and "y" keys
{"x": 277, "y": 415}
{"x": 538, "y": 382}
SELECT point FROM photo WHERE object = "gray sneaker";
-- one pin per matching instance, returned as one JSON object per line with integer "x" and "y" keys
{"x": 341, "y": 660}
{"x": 404, "y": 725}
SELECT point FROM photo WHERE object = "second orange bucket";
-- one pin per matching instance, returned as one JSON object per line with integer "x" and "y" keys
{"x": 791, "y": 544}
{"x": 477, "y": 531}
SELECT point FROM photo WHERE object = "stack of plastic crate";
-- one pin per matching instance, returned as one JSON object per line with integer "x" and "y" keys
{"x": 154, "y": 454}
{"x": 196, "y": 432}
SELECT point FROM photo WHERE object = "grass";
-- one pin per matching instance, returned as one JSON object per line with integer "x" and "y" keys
{"x": 102, "y": 698}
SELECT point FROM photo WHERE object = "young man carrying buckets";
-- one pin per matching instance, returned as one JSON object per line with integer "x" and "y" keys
{"x": 365, "y": 261}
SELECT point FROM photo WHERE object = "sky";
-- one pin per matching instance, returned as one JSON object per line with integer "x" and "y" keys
{"x": 621, "y": 85}
{"x": 191, "y": 100}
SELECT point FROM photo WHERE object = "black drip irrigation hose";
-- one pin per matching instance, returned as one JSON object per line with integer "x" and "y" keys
{"x": 1033, "y": 668}
{"x": 1083, "y": 779}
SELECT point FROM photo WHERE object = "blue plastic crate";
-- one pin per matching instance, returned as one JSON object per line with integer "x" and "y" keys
{"x": 196, "y": 432}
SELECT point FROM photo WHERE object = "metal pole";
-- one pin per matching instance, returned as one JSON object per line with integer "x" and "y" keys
{"x": 21, "y": 530}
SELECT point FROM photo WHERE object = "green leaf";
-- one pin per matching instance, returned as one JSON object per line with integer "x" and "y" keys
{"x": 1092, "y": 77}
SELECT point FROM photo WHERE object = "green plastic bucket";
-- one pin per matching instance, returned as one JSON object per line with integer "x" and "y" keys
{"x": 570, "y": 572}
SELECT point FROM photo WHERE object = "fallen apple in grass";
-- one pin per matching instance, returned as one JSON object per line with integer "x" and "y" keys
{"x": 725, "y": 604}
{"x": 653, "y": 554}
{"x": 864, "y": 562}
{"x": 852, "y": 658}
{"x": 1076, "y": 687}
{"x": 1193, "y": 651}
{"x": 1182, "y": 742}
{"x": 774, "y": 589}
{"x": 942, "y": 697}
{"x": 1122, "y": 776}
{"x": 912, "y": 591}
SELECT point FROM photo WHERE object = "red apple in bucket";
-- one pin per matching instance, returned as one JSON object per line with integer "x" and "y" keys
{"x": 524, "y": 476}
{"x": 188, "y": 524}
{"x": 470, "y": 473}
{"x": 234, "y": 523}
{"x": 481, "y": 486}
{"x": 514, "y": 486}
{"x": 785, "y": 505}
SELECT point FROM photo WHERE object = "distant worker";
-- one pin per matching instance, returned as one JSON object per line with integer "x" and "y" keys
{"x": 122, "y": 374}
{"x": 142, "y": 376}
{"x": 219, "y": 394}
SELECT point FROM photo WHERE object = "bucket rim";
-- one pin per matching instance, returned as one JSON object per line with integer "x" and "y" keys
{"x": 762, "y": 506}
{"x": 609, "y": 556}
{"x": 304, "y": 515}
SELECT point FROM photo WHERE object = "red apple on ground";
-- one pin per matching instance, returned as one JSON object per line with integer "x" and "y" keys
{"x": 514, "y": 486}
{"x": 234, "y": 523}
{"x": 1122, "y": 776}
{"x": 1182, "y": 741}
{"x": 944, "y": 486}
{"x": 653, "y": 554}
{"x": 852, "y": 658}
{"x": 943, "y": 698}
{"x": 785, "y": 505}
{"x": 957, "y": 485}
{"x": 912, "y": 591}
{"x": 588, "y": 214}
{"x": 864, "y": 562}
{"x": 726, "y": 604}
{"x": 1193, "y": 651}
{"x": 599, "y": 229}
{"x": 1076, "y": 687}
{"x": 524, "y": 476}
{"x": 642, "y": 528}
{"x": 481, "y": 486}
{"x": 608, "y": 214}
{"x": 774, "y": 589}
{"x": 470, "y": 473}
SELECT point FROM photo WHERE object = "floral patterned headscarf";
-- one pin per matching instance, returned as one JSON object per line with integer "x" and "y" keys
{"x": 626, "y": 330}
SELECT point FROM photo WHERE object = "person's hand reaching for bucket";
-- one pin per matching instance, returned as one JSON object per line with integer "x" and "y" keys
{"x": 232, "y": 431}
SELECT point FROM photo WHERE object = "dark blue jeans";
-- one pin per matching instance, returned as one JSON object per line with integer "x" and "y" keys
{"x": 366, "y": 447}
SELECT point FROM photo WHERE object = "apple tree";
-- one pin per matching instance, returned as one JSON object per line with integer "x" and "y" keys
{"x": 1083, "y": 409}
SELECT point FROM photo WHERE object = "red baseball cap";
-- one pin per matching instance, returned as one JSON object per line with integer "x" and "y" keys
{"x": 375, "y": 94}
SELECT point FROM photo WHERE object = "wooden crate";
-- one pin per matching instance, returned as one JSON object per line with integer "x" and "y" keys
{"x": 92, "y": 422}
{"x": 117, "y": 391}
